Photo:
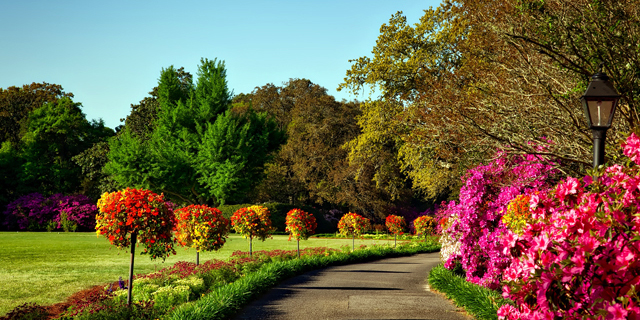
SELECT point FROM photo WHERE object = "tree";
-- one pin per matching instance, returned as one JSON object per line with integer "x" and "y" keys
{"x": 54, "y": 134}
{"x": 395, "y": 225}
{"x": 202, "y": 228}
{"x": 300, "y": 225}
{"x": 233, "y": 151}
{"x": 130, "y": 216}
{"x": 312, "y": 167}
{"x": 16, "y": 103}
{"x": 184, "y": 156}
{"x": 472, "y": 76}
{"x": 353, "y": 224}
{"x": 142, "y": 119}
{"x": 252, "y": 222}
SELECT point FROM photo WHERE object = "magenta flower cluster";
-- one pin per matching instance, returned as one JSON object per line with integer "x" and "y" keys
{"x": 580, "y": 255}
{"x": 35, "y": 212}
{"x": 474, "y": 221}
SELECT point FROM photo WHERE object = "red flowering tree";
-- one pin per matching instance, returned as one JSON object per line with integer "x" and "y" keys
{"x": 202, "y": 228}
{"x": 252, "y": 222}
{"x": 300, "y": 225}
{"x": 424, "y": 225}
{"x": 129, "y": 216}
{"x": 395, "y": 225}
{"x": 353, "y": 224}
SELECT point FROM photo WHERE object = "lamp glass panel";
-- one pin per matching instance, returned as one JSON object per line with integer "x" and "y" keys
{"x": 599, "y": 112}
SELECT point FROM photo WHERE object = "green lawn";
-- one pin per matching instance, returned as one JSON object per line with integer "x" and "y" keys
{"x": 45, "y": 268}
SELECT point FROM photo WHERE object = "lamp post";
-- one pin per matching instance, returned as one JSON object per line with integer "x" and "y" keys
{"x": 599, "y": 102}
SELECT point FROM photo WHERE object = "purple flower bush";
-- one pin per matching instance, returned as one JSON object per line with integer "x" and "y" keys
{"x": 35, "y": 212}
{"x": 473, "y": 223}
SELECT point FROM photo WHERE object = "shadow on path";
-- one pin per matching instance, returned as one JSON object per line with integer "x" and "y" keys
{"x": 393, "y": 288}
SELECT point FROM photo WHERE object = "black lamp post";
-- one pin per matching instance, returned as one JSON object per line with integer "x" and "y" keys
{"x": 599, "y": 102}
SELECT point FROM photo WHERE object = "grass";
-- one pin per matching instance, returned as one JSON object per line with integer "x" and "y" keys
{"x": 478, "y": 301}
{"x": 47, "y": 267}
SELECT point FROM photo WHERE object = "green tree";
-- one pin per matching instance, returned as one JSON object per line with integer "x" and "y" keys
{"x": 177, "y": 158}
{"x": 55, "y": 133}
{"x": 233, "y": 152}
{"x": 16, "y": 103}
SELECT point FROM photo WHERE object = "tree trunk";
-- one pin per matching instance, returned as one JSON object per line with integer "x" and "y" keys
{"x": 134, "y": 239}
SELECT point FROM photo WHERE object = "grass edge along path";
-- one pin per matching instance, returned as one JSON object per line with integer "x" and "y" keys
{"x": 478, "y": 301}
{"x": 224, "y": 302}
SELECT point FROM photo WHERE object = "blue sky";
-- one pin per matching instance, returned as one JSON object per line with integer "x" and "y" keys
{"x": 109, "y": 54}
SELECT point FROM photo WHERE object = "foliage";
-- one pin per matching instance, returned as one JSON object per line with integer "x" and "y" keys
{"x": 232, "y": 154}
{"x": 300, "y": 224}
{"x": 310, "y": 168}
{"x": 475, "y": 219}
{"x": 54, "y": 134}
{"x": 395, "y": 224}
{"x": 201, "y": 227}
{"x": 35, "y": 212}
{"x": 352, "y": 224}
{"x": 17, "y": 103}
{"x": 472, "y": 76}
{"x": 480, "y": 302}
{"x": 424, "y": 225}
{"x": 197, "y": 151}
{"x": 578, "y": 256}
{"x": 252, "y": 222}
{"x": 138, "y": 211}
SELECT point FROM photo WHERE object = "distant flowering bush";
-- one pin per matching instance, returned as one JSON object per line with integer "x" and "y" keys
{"x": 424, "y": 225}
{"x": 201, "y": 227}
{"x": 139, "y": 211}
{"x": 579, "y": 256}
{"x": 300, "y": 224}
{"x": 395, "y": 224}
{"x": 353, "y": 225}
{"x": 37, "y": 212}
{"x": 474, "y": 221}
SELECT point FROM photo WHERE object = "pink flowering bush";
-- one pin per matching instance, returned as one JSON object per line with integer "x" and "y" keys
{"x": 580, "y": 255}
{"x": 473, "y": 226}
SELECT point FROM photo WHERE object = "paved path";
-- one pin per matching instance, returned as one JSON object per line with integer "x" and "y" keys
{"x": 393, "y": 288}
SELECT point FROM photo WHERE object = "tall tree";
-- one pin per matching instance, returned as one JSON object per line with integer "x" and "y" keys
{"x": 171, "y": 159}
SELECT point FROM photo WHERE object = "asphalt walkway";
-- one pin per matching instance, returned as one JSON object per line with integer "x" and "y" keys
{"x": 394, "y": 288}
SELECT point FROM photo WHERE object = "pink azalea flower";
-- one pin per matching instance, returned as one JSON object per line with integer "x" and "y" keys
{"x": 616, "y": 312}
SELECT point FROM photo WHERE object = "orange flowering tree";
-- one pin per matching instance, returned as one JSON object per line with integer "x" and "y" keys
{"x": 353, "y": 224}
{"x": 300, "y": 225}
{"x": 424, "y": 225}
{"x": 395, "y": 225}
{"x": 252, "y": 222}
{"x": 129, "y": 216}
{"x": 202, "y": 228}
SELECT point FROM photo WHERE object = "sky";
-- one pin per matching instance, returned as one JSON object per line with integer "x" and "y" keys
{"x": 109, "y": 54}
